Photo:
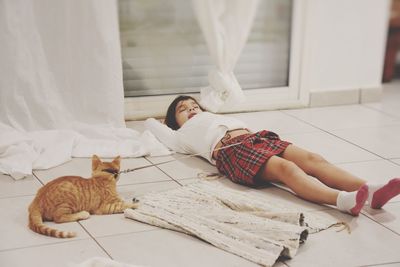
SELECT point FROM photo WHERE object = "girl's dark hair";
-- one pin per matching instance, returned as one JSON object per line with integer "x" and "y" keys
{"x": 170, "y": 119}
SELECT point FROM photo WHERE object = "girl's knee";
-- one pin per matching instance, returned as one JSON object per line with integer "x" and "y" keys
{"x": 314, "y": 162}
{"x": 280, "y": 168}
{"x": 315, "y": 158}
{"x": 287, "y": 168}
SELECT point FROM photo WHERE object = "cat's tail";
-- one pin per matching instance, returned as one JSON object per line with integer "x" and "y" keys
{"x": 36, "y": 224}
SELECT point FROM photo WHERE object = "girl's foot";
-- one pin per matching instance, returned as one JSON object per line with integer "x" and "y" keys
{"x": 382, "y": 195}
{"x": 352, "y": 202}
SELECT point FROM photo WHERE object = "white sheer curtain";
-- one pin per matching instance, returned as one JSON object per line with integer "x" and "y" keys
{"x": 60, "y": 63}
{"x": 61, "y": 91}
{"x": 226, "y": 25}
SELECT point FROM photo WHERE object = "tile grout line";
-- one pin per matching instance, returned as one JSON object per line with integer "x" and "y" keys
{"x": 130, "y": 233}
{"x": 95, "y": 240}
{"x": 15, "y": 196}
{"x": 44, "y": 245}
{"x": 379, "y": 223}
{"x": 381, "y": 111}
{"x": 391, "y": 160}
{"x": 157, "y": 166}
{"x": 341, "y": 138}
{"x": 358, "y": 161}
{"x": 37, "y": 178}
{"x": 379, "y": 264}
{"x": 145, "y": 183}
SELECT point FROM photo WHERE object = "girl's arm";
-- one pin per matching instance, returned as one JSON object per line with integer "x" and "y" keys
{"x": 166, "y": 135}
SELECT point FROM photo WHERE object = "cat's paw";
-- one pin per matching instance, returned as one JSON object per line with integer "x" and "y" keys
{"x": 83, "y": 215}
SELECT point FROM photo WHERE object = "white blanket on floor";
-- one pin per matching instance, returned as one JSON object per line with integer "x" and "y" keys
{"x": 21, "y": 152}
{"x": 248, "y": 224}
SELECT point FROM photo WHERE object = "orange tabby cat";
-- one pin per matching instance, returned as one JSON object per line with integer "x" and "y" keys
{"x": 73, "y": 198}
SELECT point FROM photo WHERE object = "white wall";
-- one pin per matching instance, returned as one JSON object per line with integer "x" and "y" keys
{"x": 344, "y": 45}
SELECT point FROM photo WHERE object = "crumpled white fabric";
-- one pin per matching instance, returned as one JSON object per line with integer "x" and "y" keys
{"x": 226, "y": 25}
{"x": 246, "y": 223}
{"x": 224, "y": 89}
{"x": 22, "y": 152}
{"x": 61, "y": 86}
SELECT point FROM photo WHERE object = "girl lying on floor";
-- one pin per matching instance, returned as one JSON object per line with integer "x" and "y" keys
{"x": 250, "y": 158}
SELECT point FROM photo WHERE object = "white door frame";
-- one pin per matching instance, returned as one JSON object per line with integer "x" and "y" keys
{"x": 290, "y": 96}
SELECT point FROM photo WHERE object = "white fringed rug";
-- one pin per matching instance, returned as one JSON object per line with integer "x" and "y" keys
{"x": 243, "y": 223}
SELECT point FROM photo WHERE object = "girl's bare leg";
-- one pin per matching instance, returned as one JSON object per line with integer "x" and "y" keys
{"x": 287, "y": 172}
{"x": 316, "y": 166}
{"x": 281, "y": 170}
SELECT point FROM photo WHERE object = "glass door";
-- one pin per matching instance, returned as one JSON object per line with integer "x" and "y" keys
{"x": 164, "y": 54}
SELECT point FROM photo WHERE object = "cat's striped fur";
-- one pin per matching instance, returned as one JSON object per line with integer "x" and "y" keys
{"x": 73, "y": 198}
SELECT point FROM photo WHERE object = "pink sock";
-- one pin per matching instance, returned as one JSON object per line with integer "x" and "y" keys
{"x": 352, "y": 202}
{"x": 381, "y": 196}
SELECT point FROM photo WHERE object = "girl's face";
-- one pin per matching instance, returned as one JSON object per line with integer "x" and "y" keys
{"x": 185, "y": 110}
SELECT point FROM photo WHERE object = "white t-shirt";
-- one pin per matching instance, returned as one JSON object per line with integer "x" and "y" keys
{"x": 198, "y": 135}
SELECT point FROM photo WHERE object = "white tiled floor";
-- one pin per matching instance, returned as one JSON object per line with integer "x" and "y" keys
{"x": 363, "y": 139}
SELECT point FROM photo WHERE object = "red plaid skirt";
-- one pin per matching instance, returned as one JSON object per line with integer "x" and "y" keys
{"x": 241, "y": 162}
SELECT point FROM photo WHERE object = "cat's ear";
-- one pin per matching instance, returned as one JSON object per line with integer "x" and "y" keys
{"x": 95, "y": 162}
{"x": 117, "y": 160}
